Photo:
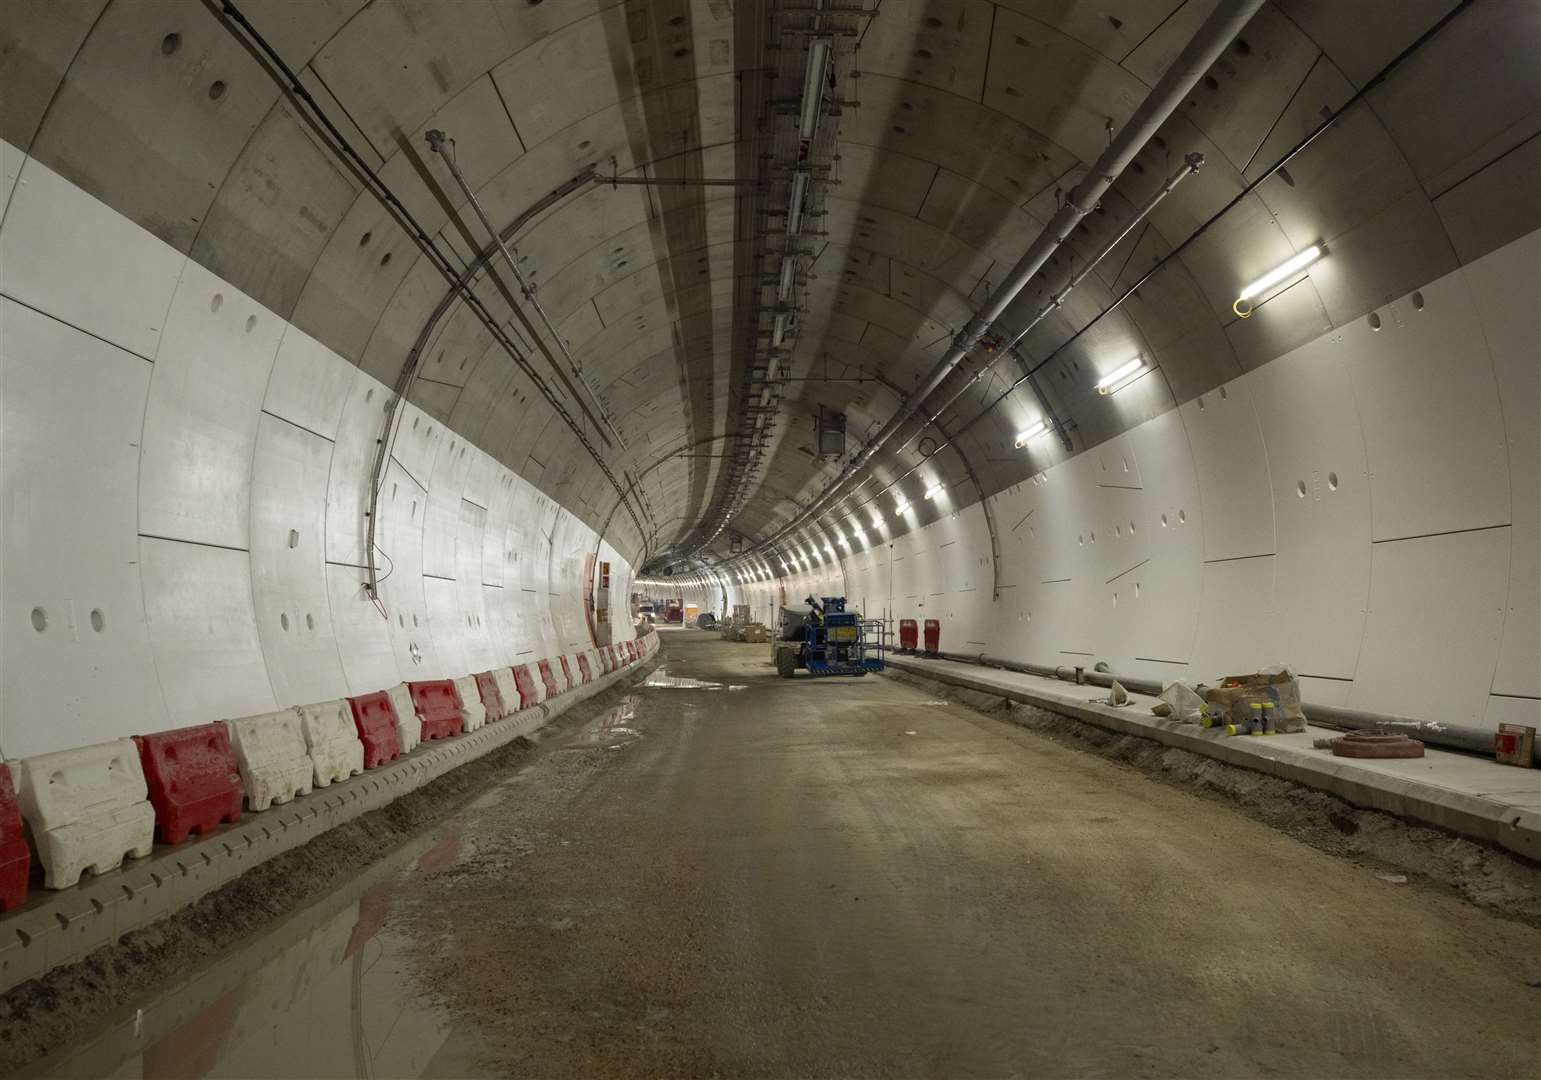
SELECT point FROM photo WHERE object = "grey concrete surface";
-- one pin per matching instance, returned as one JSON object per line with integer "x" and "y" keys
{"x": 1467, "y": 795}
{"x": 733, "y": 875}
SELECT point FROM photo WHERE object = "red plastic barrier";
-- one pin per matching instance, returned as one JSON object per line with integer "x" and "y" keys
{"x": 192, "y": 779}
{"x": 15, "y": 859}
{"x": 548, "y": 678}
{"x": 908, "y": 636}
{"x": 491, "y": 699}
{"x": 438, "y": 706}
{"x": 568, "y": 682}
{"x": 606, "y": 659}
{"x": 630, "y": 648}
{"x": 933, "y": 636}
{"x": 375, "y": 720}
{"x": 584, "y": 669}
{"x": 525, "y": 681}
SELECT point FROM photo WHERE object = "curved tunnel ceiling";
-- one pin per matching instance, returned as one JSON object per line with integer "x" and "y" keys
{"x": 958, "y": 125}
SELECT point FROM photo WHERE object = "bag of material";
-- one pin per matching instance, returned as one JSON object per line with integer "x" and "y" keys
{"x": 1183, "y": 701}
{"x": 1276, "y": 686}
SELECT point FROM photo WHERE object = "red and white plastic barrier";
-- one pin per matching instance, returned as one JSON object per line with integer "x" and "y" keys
{"x": 409, "y": 729}
{"x": 88, "y": 808}
{"x": 274, "y": 762}
{"x": 192, "y": 779}
{"x": 331, "y": 739}
{"x": 472, "y": 711}
{"x": 492, "y": 697}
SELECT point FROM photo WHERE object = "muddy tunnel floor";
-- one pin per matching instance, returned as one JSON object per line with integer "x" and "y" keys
{"x": 723, "y": 873}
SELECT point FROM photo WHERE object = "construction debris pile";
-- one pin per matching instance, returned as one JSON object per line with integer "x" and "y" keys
{"x": 1265, "y": 702}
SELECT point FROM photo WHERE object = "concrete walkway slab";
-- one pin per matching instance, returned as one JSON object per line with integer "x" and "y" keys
{"x": 1494, "y": 803}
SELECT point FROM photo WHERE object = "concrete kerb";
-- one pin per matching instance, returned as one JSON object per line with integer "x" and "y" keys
{"x": 55, "y": 928}
{"x": 1513, "y": 828}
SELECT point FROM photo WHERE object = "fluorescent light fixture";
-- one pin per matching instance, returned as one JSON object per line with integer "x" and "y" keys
{"x": 1286, "y": 269}
{"x": 788, "y": 270}
{"x": 831, "y": 549}
{"x": 779, "y": 330}
{"x": 813, "y": 86}
{"x": 934, "y": 490}
{"x": 795, "y": 204}
{"x": 1120, "y": 376}
{"x": 877, "y": 517}
{"x": 1032, "y": 431}
{"x": 902, "y": 508}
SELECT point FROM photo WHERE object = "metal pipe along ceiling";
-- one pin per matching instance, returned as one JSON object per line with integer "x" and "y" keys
{"x": 1212, "y": 38}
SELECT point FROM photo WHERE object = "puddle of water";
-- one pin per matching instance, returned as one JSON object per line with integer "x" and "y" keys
{"x": 659, "y": 680}
{"x": 327, "y": 992}
{"x": 611, "y": 729}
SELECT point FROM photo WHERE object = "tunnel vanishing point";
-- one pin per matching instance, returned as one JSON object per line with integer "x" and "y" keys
{"x": 797, "y": 538}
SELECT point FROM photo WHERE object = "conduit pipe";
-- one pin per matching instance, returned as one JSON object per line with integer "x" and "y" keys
{"x": 436, "y": 141}
{"x": 1433, "y": 732}
{"x": 1212, "y": 38}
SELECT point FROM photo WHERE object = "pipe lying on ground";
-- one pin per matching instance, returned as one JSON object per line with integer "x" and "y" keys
{"x": 1433, "y": 732}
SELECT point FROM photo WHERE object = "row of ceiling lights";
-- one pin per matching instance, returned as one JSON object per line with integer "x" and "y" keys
{"x": 1111, "y": 383}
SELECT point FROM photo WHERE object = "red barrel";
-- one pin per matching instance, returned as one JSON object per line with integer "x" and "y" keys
{"x": 933, "y": 637}
{"x": 908, "y": 635}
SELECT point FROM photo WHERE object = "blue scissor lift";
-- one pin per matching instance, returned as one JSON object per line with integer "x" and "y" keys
{"x": 828, "y": 640}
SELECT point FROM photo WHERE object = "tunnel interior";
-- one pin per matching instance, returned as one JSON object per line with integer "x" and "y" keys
{"x": 355, "y": 344}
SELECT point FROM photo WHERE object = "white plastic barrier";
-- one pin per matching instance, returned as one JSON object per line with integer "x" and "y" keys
{"x": 270, "y": 753}
{"x": 508, "y": 690}
{"x": 409, "y": 729}
{"x": 471, "y": 706}
{"x": 332, "y": 741}
{"x": 87, "y": 808}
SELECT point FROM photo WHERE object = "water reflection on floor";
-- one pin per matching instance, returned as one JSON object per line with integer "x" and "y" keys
{"x": 661, "y": 680}
{"x": 327, "y": 992}
{"x": 612, "y": 728}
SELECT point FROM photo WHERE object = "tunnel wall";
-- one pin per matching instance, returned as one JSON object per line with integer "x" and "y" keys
{"x": 185, "y": 483}
{"x": 1363, "y": 508}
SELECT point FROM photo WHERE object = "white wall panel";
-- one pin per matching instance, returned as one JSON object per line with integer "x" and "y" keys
{"x": 1236, "y": 630}
{"x": 1436, "y": 615}
{"x": 353, "y": 455}
{"x": 447, "y": 626}
{"x": 103, "y": 274}
{"x": 471, "y": 525}
{"x": 288, "y": 508}
{"x": 1428, "y": 404}
{"x": 362, "y": 631}
{"x": 198, "y": 601}
{"x": 1505, "y": 286}
{"x": 70, "y": 413}
{"x": 400, "y": 539}
{"x": 200, "y": 425}
{"x": 1232, "y": 468}
{"x": 1321, "y": 498}
{"x": 309, "y": 383}
{"x": 11, "y": 161}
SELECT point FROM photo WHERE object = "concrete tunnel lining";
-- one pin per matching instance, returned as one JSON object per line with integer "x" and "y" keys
{"x": 204, "y": 312}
